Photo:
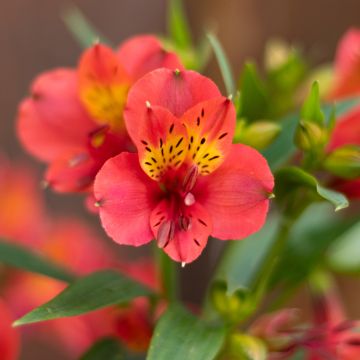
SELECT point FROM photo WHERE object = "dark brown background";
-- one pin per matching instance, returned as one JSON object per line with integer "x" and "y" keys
{"x": 33, "y": 38}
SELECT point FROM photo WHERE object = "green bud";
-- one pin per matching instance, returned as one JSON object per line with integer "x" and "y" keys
{"x": 232, "y": 307}
{"x": 310, "y": 136}
{"x": 344, "y": 162}
{"x": 259, "y": 134}
{"x": 243, "y": 347}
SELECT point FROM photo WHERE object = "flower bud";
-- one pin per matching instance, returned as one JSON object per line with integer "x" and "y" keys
{"x": 232, "y": 307}
{"x": 310, "y": 136}
{"x": 243, "y": 347}
{"x": 259, "y": 134}
{"x": 344, "y": 162}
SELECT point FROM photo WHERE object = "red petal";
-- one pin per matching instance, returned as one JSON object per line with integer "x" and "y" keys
{"x": 126, "y": 197}
{"x": 347, "y": 130}
{"x": 176, "y": 91}
{"x": 210, "y": 126}
{"x": 183, "y": 245}
{"x": 144, "y": 53}
{"x": 236, "y": 195}
{"x": 53, "y": 120}
{"x": 9, "y": 337}
{"x": 74, "y": 172}
{"x": 347, "y": 65}
{"x": 103, "y": 85}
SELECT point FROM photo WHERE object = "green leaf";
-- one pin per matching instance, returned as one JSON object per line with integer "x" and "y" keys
{"x": 283, "y": 148}
{"x": 310, "y": 238}
{"x": 343, "y": 255}
{"x": 311, "y": 110}
{"x": 22, "y": 258}
{"x": 105, "y": 349}
{"x": 81, "y": 28}
{"x": 292, "y": 176}
{"x": 224, "y": 64}
{"x": 179, "y": 335}
{"x": 253, "y": 99}
{"x": 92, "y": 292}
{"x": 178, "y": 25}
{"x": 242, "y": 259}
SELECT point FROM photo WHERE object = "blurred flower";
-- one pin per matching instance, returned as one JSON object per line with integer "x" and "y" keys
{"x": 74, "y": 118}
{"x": 346, "y": 133}
{"x": 9, "y": 337}
{"x": 187, "y": 181}
{"x": 331, "y": 336}
{"x": 22, "y": 218}
{"x": 347, "y": 66}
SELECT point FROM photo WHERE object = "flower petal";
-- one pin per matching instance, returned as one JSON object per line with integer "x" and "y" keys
{"x": 175, "y": 91}
{"x": 144, "y": 53}
{"x": 103, "y": 85}
{"x": 53, "y": 120}
{"x": 9, "y": 337}
{"x": 347, "y": 65}
{"x": 236, "y": 195}
{"x": 126, "y": 197}
{"x": 210, "y": 126}
{"x": 189, "y": 230}
{"x": 161, "y": 142}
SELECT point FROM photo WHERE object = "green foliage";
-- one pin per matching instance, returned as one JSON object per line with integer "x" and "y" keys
{"x": 224, "y": 64}
{"x": 81, "y": 28}
{"x": 343, "y": 255}
{"x": 178, "y": 26}
{"x": 180, "y": 335}
{"x": 292, "y": 178}
{"x": 22, "y": 258}
{"x": 105, "y": 349}
{"x": 254, "y": 102}
{"x": 92, "y": 292}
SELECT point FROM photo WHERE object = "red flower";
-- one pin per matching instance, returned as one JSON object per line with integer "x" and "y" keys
{"x": 74, "y": 118}
{"x": 9, "y": 337}
{"x": 188, "y": 181}
{"x": 347, "y": 66}
{"x": 332, "y": 336}
{"x": 347, "y": 132}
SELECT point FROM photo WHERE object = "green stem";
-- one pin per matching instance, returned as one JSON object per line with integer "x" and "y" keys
{"x": 168, "y": 273}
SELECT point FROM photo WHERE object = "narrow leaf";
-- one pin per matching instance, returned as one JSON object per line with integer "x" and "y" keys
{"x": 311, "y": 110}
{"x": 254, "y": 100}
{"x": 92, "y": 292}
{"x": 180, "y": 335}
{"x": 296, "y": 177}
{"x": 224, "y": 64}
{"x": 81, "y": 28}
{"x": 22, "y": 258}
{"x": 178, "y": 25}
{"x": 104, "y": 349}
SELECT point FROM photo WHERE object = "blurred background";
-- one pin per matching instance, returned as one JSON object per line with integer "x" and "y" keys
{"x": 33, "y": 38}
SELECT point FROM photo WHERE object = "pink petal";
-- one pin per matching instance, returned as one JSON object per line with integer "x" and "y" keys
{"x": 175, "y": 91}
{"x": 236, "y": 195}
{"x": 182, "y": 245}
{"x": 144, "y": 53}
{"x": 126, "y": 197}
{"x": 53, "y": 120}
{"x": 9, "y": 337}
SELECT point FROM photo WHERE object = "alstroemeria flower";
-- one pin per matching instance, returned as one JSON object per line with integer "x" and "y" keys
{"x": 74, "y": 118}
{"x": 9, "y": 337}
{"x": 187, "y": 181}
{"x": 332, "y": 336}
{"x": 347, "y": 66}
{"x": 347, "y": 132}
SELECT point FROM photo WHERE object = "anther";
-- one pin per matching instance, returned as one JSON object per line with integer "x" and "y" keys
{"x": 189, "y": 199}
{"x": 147, "y": 103}
{"x": 183, "y": 264}
{"x": 166, "y": 233}
{"x": 271, "y": 196}
{"x": 177, "y": 72}
{"x": 190, "y": 178}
